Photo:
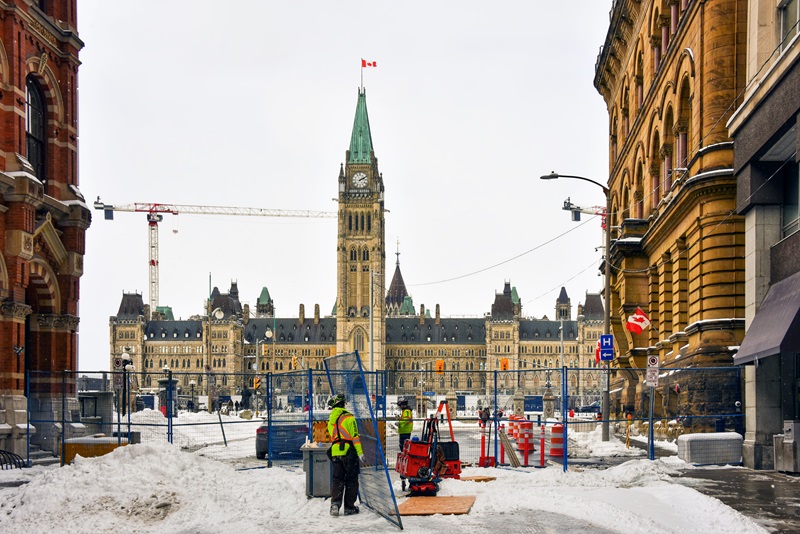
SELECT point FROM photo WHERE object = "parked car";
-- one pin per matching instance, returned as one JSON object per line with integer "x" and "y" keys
{"x": 287, "y": 438}
{"x": 594, "y": 407}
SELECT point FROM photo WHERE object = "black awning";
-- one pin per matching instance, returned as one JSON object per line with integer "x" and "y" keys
{"x": 776, "y": 326}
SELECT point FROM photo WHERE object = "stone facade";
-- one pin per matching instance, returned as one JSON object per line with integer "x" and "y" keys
{"x": 766, "y": 164}
{"x": 230, "y": 341}
{"x": 43, "y": 216}
{"x": 671, "y": 73}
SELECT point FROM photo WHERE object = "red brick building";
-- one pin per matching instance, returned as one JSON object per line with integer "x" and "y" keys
{"x": 43, "y": 216}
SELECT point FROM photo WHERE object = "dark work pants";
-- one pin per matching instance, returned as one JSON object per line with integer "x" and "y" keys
{"x": 345, "y": 479}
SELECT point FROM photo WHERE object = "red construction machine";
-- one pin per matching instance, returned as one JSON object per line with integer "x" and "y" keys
{"x": 426, "y": 460}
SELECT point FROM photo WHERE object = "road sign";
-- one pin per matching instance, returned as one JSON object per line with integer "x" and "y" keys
{"x": 652, "y": 377}
{"x": 117, "y": 363}
{"x": 652, "y": 361}
{"x": 606, "y": 347}
{"x": 257, "y": 382}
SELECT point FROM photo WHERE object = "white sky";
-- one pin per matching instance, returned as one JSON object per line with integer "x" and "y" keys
{"x": 195, "y": 102}
{"x": 158, "y": 487}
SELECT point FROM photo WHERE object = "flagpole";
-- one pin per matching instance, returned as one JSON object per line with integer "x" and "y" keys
{"x": 362, "y": 75}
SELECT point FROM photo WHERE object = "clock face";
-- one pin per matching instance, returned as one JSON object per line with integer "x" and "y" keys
{"x": 360, "y": 179}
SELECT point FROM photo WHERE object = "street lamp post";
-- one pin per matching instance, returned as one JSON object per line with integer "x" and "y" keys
{"x": 607, "y": 290}
{"x": 192, "y": 384}
{"x": 126, "y": 363}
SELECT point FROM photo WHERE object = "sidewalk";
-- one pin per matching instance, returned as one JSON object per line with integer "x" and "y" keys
{"x": 770, "y": 498}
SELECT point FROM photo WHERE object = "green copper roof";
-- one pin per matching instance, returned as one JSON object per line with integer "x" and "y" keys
{"x": 361, "y": 140}
{"x": 264, "y": 297}
{"x": 167, "y": 311}
{"x": 407, "y": 307}
{"x": 514, "y": 295}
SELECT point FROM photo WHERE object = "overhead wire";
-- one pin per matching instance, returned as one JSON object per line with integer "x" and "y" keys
{"x": 649, "y": 194}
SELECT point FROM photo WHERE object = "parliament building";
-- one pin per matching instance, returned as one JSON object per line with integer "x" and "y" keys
{"x": 228, "y": 341}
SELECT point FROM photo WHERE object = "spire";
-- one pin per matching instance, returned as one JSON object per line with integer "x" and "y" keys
{"x": 361, "y": 140}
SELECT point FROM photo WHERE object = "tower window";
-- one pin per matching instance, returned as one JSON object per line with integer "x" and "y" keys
{"x": 35, "y": 127}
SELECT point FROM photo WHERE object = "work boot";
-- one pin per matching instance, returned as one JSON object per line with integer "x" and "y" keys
{"x": 335, "y": 509}
{"x": 351, "y": 511}
{"x": 403, "y": 485}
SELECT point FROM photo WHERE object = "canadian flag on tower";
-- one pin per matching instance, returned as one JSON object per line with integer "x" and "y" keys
{"x": 597, "y": 353}
{"x": 638, "y": 321}
{"x": 365, "y": 63}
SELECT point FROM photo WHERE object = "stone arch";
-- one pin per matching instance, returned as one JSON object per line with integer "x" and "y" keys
{"x": 3, "y": 277}
{"x": 4, "y": 67}
{"x": 43, "y": 290}
{"x": 49, "y": 85}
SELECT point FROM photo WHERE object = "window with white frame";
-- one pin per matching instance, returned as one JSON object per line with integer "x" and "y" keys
{"x": 789, "y": 11}
{"x": 790, "y": 211}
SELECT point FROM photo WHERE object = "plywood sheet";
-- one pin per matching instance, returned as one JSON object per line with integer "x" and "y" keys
{"x": 452, "y": 505}
{"x": 478, "y": 478}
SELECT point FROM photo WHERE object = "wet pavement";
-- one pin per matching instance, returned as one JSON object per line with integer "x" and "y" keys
{"x": 770, "y": 498}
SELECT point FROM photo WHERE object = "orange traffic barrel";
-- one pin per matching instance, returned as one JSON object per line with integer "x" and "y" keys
{"x": 525, "y": 437}
{"x": 557, "y": 440}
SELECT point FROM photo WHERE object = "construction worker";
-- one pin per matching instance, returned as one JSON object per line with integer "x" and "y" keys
{"x": 405, "y": 424}
{"x": 346, "y": 453}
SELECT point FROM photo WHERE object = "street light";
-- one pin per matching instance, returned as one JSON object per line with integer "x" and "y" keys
{"x": 126, "y": 366}
{"x": 607, "y": 274}
{"x": 192, "y": 384}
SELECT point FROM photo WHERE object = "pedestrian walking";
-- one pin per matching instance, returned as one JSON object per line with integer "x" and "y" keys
{"x": 236, "y": 406}
{"x": 405, "y": 424}
{"x": 346, "y": 455}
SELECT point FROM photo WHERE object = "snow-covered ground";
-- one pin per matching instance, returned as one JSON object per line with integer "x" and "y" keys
{"x": 157, "y": 487}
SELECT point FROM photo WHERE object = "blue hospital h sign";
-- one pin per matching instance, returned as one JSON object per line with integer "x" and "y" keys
{"x": 606, "y": 347}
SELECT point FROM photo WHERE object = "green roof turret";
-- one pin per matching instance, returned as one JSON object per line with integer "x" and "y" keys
{"x": 361, "y": 140}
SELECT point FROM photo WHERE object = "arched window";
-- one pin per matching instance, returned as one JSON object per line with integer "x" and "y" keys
{"x": 35, "y": 119}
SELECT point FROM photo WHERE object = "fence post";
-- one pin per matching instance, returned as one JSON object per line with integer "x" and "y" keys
{"x": 63, "y": 412}
{"x": 28, "y": 401}
{"x": 269, "y": 418}
{"x": 564, "y": 412}
{"x": 651, "y": 450}
{"x": 496, "y": 424}
{"x": 169, "y": 406}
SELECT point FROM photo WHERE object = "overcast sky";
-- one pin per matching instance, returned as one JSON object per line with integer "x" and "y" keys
{"x": 251, "y": 103}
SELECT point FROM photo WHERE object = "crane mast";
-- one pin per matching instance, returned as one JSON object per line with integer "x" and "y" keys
{"x": 155, "y": 215}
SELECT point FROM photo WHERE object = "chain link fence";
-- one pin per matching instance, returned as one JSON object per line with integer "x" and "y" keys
{"x": 272, "y": 415}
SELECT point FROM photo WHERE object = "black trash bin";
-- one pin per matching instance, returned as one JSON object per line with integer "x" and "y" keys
{"x": 719, "y": 425}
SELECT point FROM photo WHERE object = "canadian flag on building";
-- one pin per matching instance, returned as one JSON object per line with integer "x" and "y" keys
{"x": 365, "y": 63}
{"x": 638, "y": 321}
{"x": 597, "y": 353}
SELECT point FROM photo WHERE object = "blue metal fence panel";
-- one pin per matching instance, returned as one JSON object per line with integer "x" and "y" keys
{"x": 346, "y": 375}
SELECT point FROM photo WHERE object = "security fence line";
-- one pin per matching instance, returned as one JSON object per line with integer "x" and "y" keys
{"x": 193, "y": 411}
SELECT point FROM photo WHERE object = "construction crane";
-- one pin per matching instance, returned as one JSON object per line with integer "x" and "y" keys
{"x": 155, "y": 215}
{"x": 593, "y": 210}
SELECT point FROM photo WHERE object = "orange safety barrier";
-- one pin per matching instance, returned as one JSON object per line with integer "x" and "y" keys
{"x": 557, "y": 440}
{"x": 525, "y": 436}
{"x": 525, "y": 440}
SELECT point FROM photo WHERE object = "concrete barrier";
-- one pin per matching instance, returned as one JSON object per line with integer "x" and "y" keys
{"x": 712, "y": 448}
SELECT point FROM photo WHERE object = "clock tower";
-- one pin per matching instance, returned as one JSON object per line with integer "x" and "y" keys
{"x": 360, "y": 250}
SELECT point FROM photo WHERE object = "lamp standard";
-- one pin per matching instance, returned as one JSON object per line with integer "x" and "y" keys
{"x": 607, "y": 290}
{"x": 126, "y": 366}
{"x": 192, "y": 384}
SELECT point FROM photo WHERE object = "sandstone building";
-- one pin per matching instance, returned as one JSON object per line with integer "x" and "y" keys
{"x": 671, "y": 73}
{"x": 219, "y": 350}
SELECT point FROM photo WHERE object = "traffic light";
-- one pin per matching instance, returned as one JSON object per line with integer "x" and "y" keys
{"x": 504, "y": 364}
{"x": 264, "y": 350}
{"x": 294, "y": 362}
{"x": 257, "y": 382}
{"x": 440, "y": 366}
